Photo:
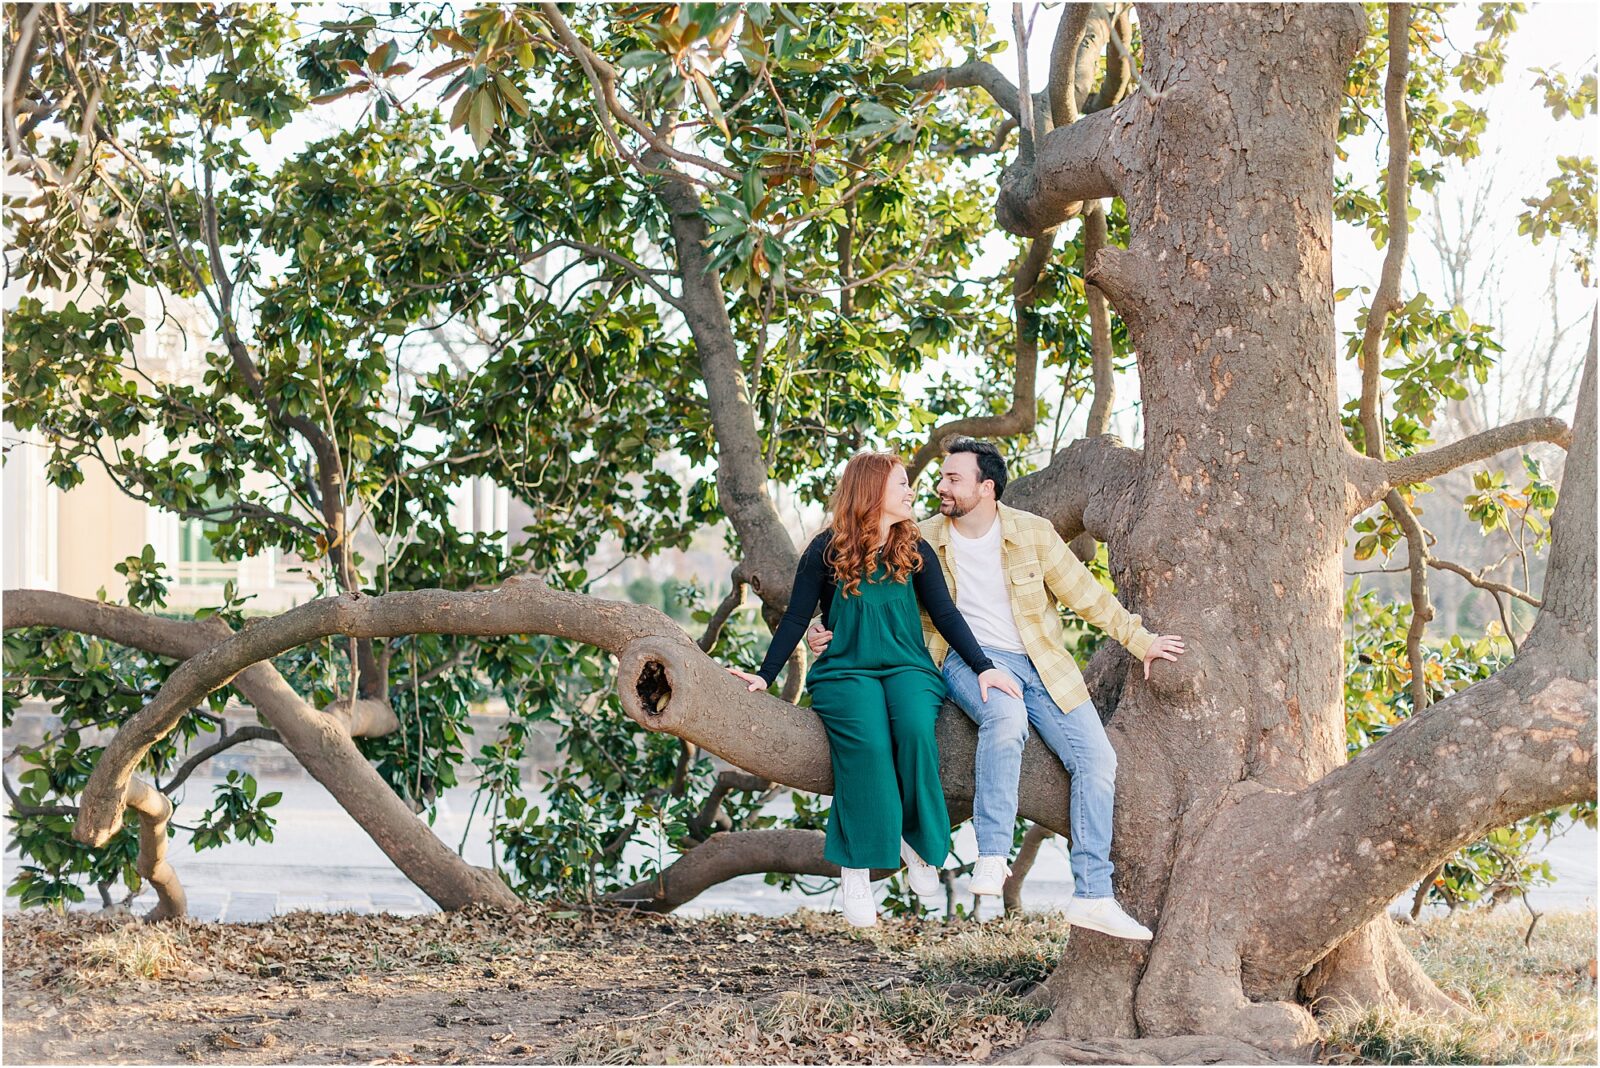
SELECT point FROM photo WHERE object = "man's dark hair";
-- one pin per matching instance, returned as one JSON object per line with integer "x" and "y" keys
{"x": 991, "y": 465}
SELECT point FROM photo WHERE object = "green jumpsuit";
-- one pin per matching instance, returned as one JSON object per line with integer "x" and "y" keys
{"x": 878, "y": 694}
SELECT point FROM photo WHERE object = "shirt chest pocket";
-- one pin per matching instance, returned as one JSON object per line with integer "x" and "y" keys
{"x": 1027, "y": 589}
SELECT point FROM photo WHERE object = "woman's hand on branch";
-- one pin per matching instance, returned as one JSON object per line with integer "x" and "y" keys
{"x": 756, "y": 681}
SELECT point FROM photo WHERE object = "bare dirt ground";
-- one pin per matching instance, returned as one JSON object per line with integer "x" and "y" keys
{"x": 547, "y": 985}
{"x": 539, "y": 985}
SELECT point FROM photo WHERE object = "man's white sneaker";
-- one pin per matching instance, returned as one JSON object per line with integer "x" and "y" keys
{"x": 989, "y": 875}
{"x": 1103, "y": 914}
{"x": 923, "y": 877}
{"x": 855, "y": 893}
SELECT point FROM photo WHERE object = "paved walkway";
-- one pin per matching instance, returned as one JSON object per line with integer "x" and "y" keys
{"x": 320, "y": 859}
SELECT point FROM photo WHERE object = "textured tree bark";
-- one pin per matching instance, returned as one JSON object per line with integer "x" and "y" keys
{"x": 1027, "y": 853}
{"x": 1261, "y": 859}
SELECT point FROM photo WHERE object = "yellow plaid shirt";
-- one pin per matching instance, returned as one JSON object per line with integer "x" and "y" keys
{"x": 1042, "y": 569}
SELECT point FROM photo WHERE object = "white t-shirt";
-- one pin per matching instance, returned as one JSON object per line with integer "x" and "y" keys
{"x": 982, "y": 593}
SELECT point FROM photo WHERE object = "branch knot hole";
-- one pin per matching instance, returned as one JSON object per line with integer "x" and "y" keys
{"x": 654, "y": 687}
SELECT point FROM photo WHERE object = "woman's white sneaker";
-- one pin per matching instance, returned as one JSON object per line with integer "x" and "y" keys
{"x": 923, "y": 877}
{"x": 1103, "y": 914}
{"x": 989, "y": 875}
{"x": 855, "y": 893}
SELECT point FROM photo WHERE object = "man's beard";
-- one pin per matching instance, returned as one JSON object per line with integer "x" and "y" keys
{"x": 953, "y": 508}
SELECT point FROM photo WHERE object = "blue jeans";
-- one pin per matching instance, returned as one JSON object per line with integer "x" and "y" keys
{"x": 1077, "y": 737}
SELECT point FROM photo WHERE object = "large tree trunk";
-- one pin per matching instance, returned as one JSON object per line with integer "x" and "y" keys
{"x": 1229, "y": 531}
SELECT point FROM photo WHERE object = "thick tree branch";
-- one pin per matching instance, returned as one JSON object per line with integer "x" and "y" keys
{"x": 1515, "y": 744}
{"x": 1066, "y": 63}
{"x": 665, "y": 683}
{"x": 1080, "y": 485}
{"x": 1370, "y": 479}
{"x": 769, "y": 553}
{"x": 522, "y": 605}
{"x": 1073, "y": 163}
{"x": 155, "y": 810}
{"x": 320, "y": 742}
{"x": 1518, "y": 743}
{"x": 728, "y": 855}
{"x": 1119, "y": 67}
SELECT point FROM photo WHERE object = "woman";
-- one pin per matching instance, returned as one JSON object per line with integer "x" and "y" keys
{"x": 875, "y": 688}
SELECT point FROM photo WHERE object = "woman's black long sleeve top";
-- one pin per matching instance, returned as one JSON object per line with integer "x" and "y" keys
{"x": 813, "y": 585}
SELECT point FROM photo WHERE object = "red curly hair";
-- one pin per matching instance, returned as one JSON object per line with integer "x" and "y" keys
{"x": 857, "y": 507}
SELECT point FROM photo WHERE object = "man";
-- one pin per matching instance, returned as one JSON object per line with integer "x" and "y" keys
{"x": 1005, "y": 567}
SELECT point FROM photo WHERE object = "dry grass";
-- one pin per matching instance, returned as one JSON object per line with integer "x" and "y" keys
{"x": 1532, "y": 1004}
{"x": 958, "y": 1003}
{"x": 135, "y": 952}
{"x": 797, "y": 1027}
{"x": 1011, "y": 950}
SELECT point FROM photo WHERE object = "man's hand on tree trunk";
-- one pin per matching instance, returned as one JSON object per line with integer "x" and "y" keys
{"x": 1165, "y": 647}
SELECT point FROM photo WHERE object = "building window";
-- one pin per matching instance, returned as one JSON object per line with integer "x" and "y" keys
{"x": 197, "y": 559}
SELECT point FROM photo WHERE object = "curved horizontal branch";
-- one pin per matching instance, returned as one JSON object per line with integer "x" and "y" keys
{"x": 667, "y": 684}
{"x": 177, "y": 638}
{"x": 320, "y": 742}
{"x": 1370, "y": 479}
{"x": 523, "y": 605}
{"x": 978, "y": 74}
{"x": 728, "y": 855}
